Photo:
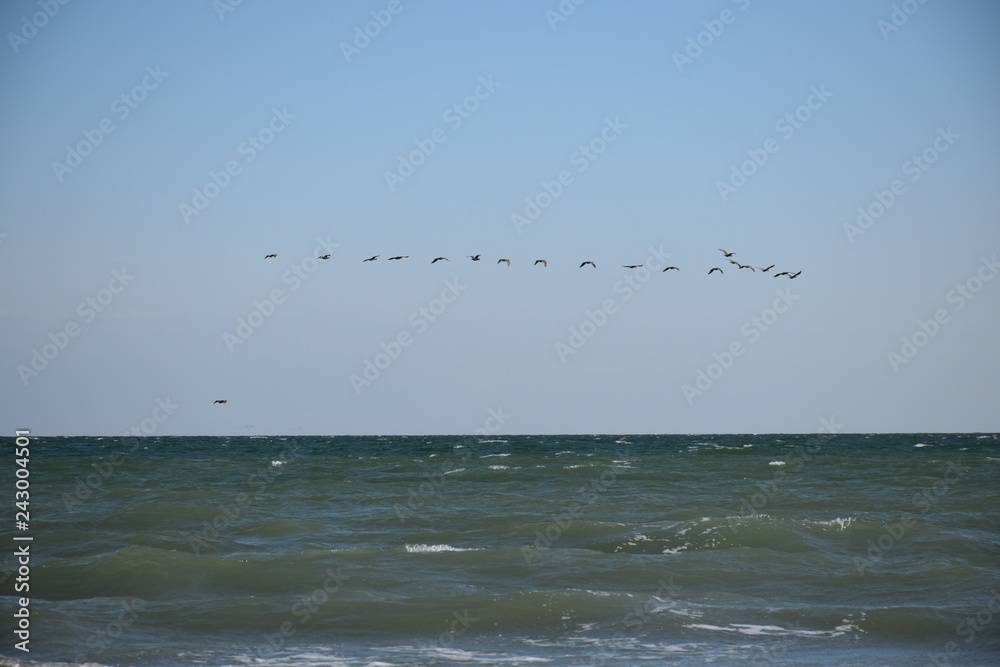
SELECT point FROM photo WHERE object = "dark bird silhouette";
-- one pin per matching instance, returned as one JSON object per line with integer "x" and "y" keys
{"x": 540, "y": 261}
{"x": 714, "y": 269}
{"x": 794, "y": 275}
{"x": 372, "y": 258}
{"x": 726, "y": 253}
{"x": 631, "y": 266}
{"x": 220, "y": 400}
{"x": 745, "y": 266}
{"x": 671, "y": 267}
{"x": 270, "y": 256}
{"x": 783, "y": 273}
{"x": 474, "y": 258}
{"x": 767, "y": 269}
{"x": 586, "y": 263}
{"x": 504, "y": 260}
{"x": 438, "y": 259}
{"x": 323, "y": 257}
{"x": 398, "y": 257}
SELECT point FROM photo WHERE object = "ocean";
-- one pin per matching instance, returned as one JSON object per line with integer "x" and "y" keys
{"x": 844, "y": 549}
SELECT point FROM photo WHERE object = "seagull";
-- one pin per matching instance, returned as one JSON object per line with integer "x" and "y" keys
{"x": 671, "y": 267}
{"x": 474, "y": 258}
{"x": 323, "y": 257}
{"x": 783, "y": 273}
{"x": 540, "y": 261}
{"x": 794, "y": 275}
{"x": 504, "y": 260}
{"x": 438, "y": 259}
{"x": 220, "y": 400}
{"x": 372, "y": 258}
{"x": 767, "y": 269}
{"x": 398, "y": 257}
{"x": 586, "y": 263}
{"x": 270, "y": 256}
{"x": 716, "y": 269}
{"x": 726, "y": 253}
{"x": 631, "y": 266}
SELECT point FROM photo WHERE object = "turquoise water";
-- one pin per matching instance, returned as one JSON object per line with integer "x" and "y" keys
{"x": 509, "y": 550}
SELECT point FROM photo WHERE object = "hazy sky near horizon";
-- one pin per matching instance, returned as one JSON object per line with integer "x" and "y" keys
{"x": 154, "y": 153}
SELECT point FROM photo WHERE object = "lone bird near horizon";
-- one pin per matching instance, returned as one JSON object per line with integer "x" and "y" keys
{"x": 671, "y": 267}
{"x": 438, "y": 259}
{"x": 504, "y": 260}
{"x": 220, "y": 400}
{"x": 726, "y": 253}
{"x": 631, "y": 266}
{"x": 586, "y": 263}
{"x": 371, "y": 259}
{"x": 273, "y": 254}
{"x": 398, "y": 257}
{"x": 540, "y": 261}
{"x": 714, "y": 269}
{"x": 474, "y": 258}
{"x": 323, "y": 257}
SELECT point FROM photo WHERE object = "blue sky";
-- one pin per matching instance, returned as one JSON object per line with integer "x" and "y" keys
{"x": 210, "y": 138}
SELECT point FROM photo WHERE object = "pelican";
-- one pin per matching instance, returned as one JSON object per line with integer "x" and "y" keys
{"x": 726, "y": 253}
{"x": 398, "y": 257}
{"x": 323, "y": 257}
{"x": 540, "y": 261}
{"x": 586, "y": 263}
{"x": 713, "y": 270}
{"x": 474, "y": 258}
{"x": 631, "y": 266}
{"x": 438, "y": 259}
{"x": 220, "y": 400}
{"x": 671, "y": 267}
{"x": 504, "y": 260}
{"x": 274, "y": 254}
{"x": 371, "y": 259}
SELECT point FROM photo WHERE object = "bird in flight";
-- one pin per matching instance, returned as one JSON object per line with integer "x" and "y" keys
{"x": 504, "y": 260}
{"x": 438, "y": 259}
{"x": 273, "y": 254}
{"x": 767, "y": 269}
{"x": 783, "y": 273}
{"x": 586, "y": 263}
{"x": 371, "y": 259}
{"x": 745, "y": 266}
{"x": 631, "y": 266}
{"x": 540, "y": 261}
{"x": 794, "y": 275}
{"x": 474, "y": 258}
{"x": 323, "y": 257}
{"x": 398, "y": 257}
{"x": 220, "y": 400}
{"x": 714, "y": 269}
{"x": 671, "y": 267}
{"x": 726, "y": 253}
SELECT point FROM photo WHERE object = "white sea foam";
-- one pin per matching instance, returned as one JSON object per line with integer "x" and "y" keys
{"x": 435, "y": 548}
{"x": 776, "y": 463}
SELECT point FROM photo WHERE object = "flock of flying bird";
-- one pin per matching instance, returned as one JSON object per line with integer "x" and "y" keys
{"x": 476, "y": 258}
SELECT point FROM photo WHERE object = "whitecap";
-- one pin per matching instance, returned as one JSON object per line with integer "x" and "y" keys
{"x": 434, "y": 548}
{"x": 278, "y": 463}
{"x": 776, "y": 463}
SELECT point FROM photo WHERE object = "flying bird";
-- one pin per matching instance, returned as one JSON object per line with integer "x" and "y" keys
{"x": 631, "y": 266}
{"x": 372, "y": 258}
{"x": 713, "y": 270}
{"x": 504, "y": 260}
{"x": 540, "y": 261}
{"x": 783, "y": 273}
{"x": 726, "y": 253}
{"x": 746, "y": 266}
{"x": 474, "y": 258}
{"x": 398, "y": 257}
{"x": 438, "y": 259}
{"x": 220, "y": 400}
{"x": 671, "y": 267}
{"x": 767, "y": 269}
{"x": 794, "y": 275}
{"x": 586, "y": 263}
{"x": 323, "y": 257}
{"x": 270, "y": 256}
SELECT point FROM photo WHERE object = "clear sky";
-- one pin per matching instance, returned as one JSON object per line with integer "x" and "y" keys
{"x": 155, "y": 152}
